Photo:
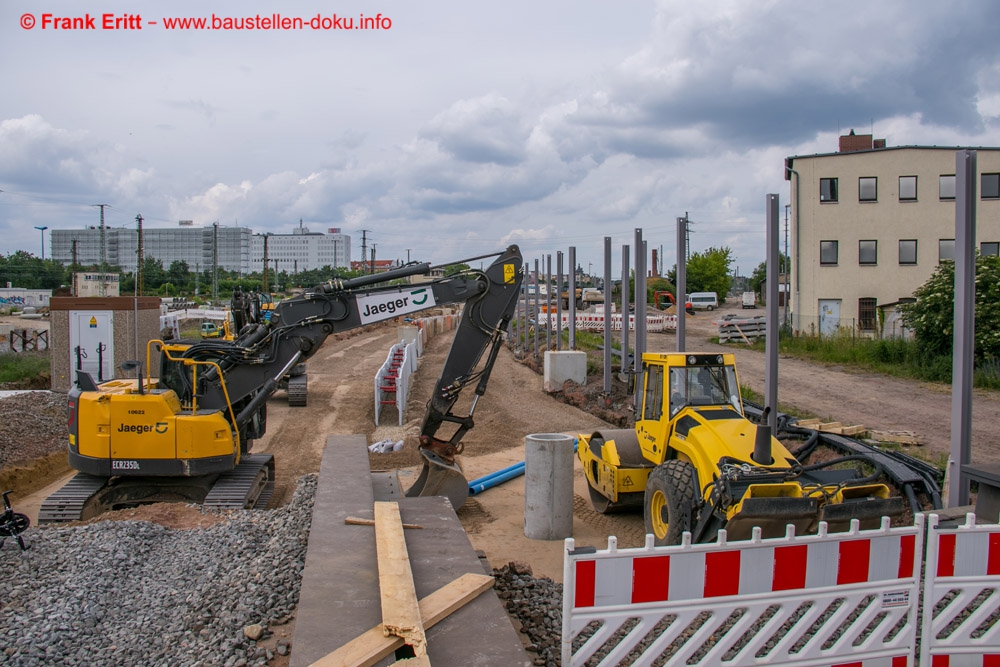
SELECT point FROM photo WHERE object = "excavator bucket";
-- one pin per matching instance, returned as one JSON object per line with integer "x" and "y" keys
{"x": 440, "y": 478}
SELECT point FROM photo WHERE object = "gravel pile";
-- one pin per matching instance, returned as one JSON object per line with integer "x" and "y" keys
{"x": 537, "y": 604}
{"x": 32, "y": 425}
{"x": 129, "y": 593}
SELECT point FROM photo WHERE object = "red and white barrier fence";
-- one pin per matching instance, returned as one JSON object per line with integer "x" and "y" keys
{"x": 960, "y": 625}
{"x": 827, "y": 599}
{"x": 597, "y": 322}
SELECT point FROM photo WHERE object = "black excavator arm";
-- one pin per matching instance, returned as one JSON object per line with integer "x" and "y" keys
{"x": 252, "y": 365}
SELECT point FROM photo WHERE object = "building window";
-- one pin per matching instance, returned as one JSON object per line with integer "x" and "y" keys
{"x": 828, "y": 189}
{"x": 828, "y": 252}
{"x": 989, "y": 186}
{"x": 866, "y": 313}
{"x": 989, "y": 249}
{"x": 946, "y": 250}
{"x": 907, "y": 188}
{"x": 946, "y": 187}
{"x": 908, "y": 251}
{"x": 868, "y": 188}
{"x": 867, "y": 252}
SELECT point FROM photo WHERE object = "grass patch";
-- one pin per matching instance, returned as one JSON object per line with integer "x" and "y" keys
{"x": 19, "y": 366}
{"x": 892, "y": 356}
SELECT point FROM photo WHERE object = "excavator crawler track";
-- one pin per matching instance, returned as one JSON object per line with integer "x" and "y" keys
{"x": 297, "y": 391}
{"x": 247, "y": 486}
{"x": 67, "y": 504}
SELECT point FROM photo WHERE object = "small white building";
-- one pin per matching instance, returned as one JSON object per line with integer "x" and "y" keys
{"x": 17, "y": 298}
{"x": 95, "y": 284}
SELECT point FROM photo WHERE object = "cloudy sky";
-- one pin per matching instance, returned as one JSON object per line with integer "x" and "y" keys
{"x": 459, "y": 127}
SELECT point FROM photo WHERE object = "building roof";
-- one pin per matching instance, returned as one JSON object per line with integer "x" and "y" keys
{"x": 791, "y": 159}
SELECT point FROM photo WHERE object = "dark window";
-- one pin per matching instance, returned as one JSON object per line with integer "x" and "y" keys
{"x": 653, "y": 404}
{"x": 946, "y": 250}
{"x": 908, "y": 251}
{"x": 989, "y": 249}
{"x": 946, "y": 187}
{"x": 867, "y": 252}
{"x": 828, "y": 189}
{"x": 989, "y": 187}
{"x": 907, "y": 188}
{"x": 828, "y": 252}
{"x": 866, "y": 313}
{"x": 867, "y": 188}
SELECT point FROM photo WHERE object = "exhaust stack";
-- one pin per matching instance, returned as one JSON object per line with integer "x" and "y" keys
{"x": 762, "y": 441}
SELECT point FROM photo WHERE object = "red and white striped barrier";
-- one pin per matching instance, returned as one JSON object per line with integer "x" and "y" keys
{"x": 963, "y": 579}
{"x": 826, "y": 599}
{"x": 596, "y": 323}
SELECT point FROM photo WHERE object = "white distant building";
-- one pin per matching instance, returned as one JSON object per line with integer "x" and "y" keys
{"x": 303, "y": 250}
{"x": 229, "y": 248}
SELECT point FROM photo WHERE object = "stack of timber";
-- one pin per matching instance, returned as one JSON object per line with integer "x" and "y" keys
{"x": 831, "y": 427}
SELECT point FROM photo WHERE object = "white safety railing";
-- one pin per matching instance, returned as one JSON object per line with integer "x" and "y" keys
{"x": 823, "y": 599}
{"x": 392, "y": 381}
{"x": 960, "y": 624}
{"x": 597, "y": 322}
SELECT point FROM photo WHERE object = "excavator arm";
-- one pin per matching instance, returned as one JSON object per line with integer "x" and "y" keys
{"x": 246, "y": 371}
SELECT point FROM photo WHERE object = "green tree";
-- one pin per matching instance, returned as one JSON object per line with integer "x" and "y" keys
{"x": 707, "y": 272}
{"x": 759, "y": 274}
{"x": 932, "y": 315}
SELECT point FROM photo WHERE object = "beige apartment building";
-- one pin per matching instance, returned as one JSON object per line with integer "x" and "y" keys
{"x": 870, "y": 224}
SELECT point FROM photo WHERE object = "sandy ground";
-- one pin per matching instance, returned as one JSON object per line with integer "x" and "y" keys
{"x": 341, "y": 402}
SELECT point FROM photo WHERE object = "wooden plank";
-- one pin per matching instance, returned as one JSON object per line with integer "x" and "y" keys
{"x": 745, "y": 339}
{"x": 356, "y": 521}
{"x": 898, "y": 437}
{"x": 829, "y": 426}
{"x": 808, "y": 423}
{"x": 853, "y": 430}
{"x": 400, "y": 609}
{"x": 373, "y": 645}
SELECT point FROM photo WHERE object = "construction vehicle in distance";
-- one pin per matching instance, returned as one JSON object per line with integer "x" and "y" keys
{"x": 661, "y": 297}
{"x": 187, "y": 434}
{"x": 694, "y": 462}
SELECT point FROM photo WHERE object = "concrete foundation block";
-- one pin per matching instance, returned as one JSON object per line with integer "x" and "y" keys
{"x": 562, "y": 366}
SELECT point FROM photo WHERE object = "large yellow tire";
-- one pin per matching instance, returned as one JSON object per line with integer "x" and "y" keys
{"x": 669, "y": 501}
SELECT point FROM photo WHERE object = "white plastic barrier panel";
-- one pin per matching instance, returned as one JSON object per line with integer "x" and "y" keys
{"x": 960, "y": 626}
{"x": 827, "y": 599}
{"x": 592, "y": 322}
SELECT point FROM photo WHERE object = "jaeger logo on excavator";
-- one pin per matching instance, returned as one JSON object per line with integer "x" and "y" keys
{"x": 161, "y": 428}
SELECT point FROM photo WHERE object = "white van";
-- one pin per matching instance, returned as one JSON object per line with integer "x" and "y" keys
{"x": 704, "y": 300}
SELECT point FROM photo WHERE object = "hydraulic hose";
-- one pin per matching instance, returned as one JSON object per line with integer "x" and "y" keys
{"x": 879, "y": 470}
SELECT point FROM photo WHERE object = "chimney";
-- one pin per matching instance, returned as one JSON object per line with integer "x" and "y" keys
{"x": 859, "y": 142}
{"x": 656, "y": 267}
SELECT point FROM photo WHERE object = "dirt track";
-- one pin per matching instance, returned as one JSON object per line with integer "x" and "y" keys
{"x": 341, "y": 402}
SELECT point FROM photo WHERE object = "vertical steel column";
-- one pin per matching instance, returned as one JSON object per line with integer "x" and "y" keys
{"x": 607, "y": 319}
{"x": 625, "y": 303}
{"x": 771, "y": 326}
{"x": 965, "y": 326}
{"x": 548, "y": 302}
{"x": 640, "y": 314}
{"x": 536, "y": 308}
{"x": 681, "y": 305}
{"x": 559, "y": 274}
{"x": 572, "y": 298}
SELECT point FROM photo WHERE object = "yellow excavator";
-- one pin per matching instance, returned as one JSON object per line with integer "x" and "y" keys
{"x": 694, "y": 462}
{"x": 187, "y": 434}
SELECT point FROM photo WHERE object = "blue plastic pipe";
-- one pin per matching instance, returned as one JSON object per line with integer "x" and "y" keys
{"x": 500, "y": 476}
